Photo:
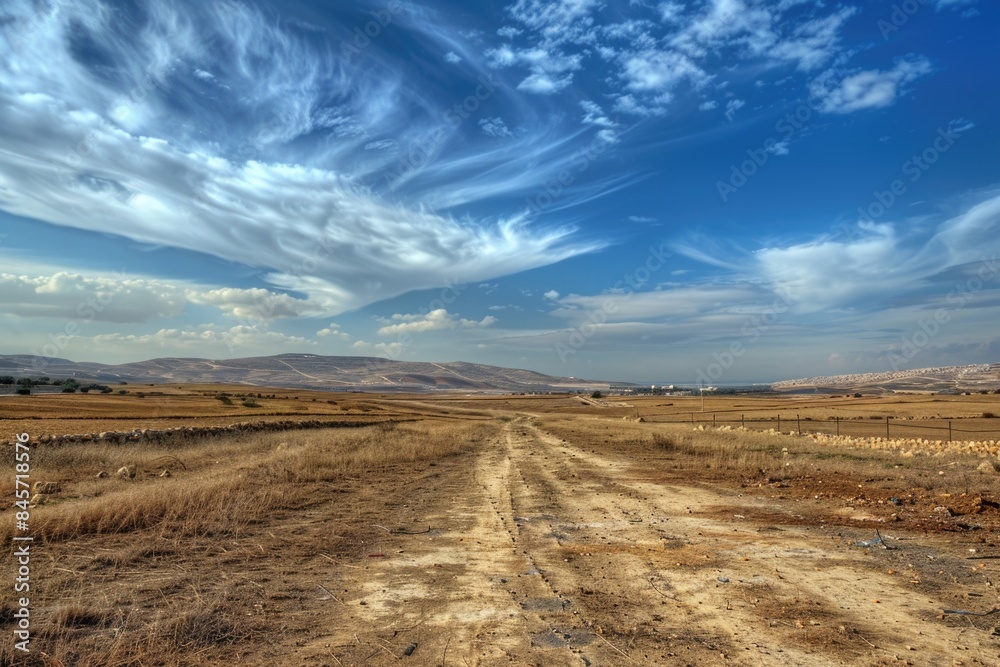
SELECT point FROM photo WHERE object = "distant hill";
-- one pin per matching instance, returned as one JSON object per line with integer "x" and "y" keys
{"x": 304, "y": 371}
{"x": 949, "y": 379}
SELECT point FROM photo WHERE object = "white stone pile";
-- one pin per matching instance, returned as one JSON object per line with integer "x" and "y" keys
{"x": 906, "y": 446}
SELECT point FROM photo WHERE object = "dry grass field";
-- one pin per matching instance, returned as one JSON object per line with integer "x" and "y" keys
{"x": 520, "y": 530}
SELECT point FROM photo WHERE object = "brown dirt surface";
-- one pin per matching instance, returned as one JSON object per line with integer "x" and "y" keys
{"x": 549, "y": 537}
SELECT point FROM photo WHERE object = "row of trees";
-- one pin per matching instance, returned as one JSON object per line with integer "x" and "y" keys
{"x": 38, "y": 382}
{"x": 68, "y": 386}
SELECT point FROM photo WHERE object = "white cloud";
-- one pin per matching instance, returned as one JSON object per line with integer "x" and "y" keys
{"x": 728, "y": 21}
{"x": 494, "y": 127}
{"x": 670, "y": 12}
{"x": 551, "y": 294}
{"x": 867, "y": 89}
{"x": 332, "y": 331}
{"x": 972, "y": 236}
{"x": 290, "y": 219}
{"x": 452, "y": 58}
{"x": 671, "y": 304}
{"x": 607, "y": 136}
{"x": 641, "y": 218}
{"x": 544, "y": 83}
{"x": 830, "y": 273}
{"x": 555, "y": 20}
{"x": 779, "y": 148}
{"x": 188, "y": 340}
{"x": 594, "y": 115}
{"x": 551, "y": 69}
{"x": 953, "y": 4}
{"x": 630, "y": 104}
{"x": 959, "y": 125}
{"x": 433, "y": 321}
{"x": 814, "y": 42}
{"x": 109, "y": 152}
{"x": 658, "y": 51}
{"x": 732, "y": 106}
{"x": 126, "y": 299}
{"x": 874, "y": 266}
{"x": 662, "y": 71}
{"x": 708, "y": 106}
{"x": 253, "y": 304}
{"x": 70, "y": 296}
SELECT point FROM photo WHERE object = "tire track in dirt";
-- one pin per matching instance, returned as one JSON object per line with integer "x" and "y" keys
{"x": 464, "y": 594}
{"x": 758, "y": 594}
{"x": 546, "y": 553}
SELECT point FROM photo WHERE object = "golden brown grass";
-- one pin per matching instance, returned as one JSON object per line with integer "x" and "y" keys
{"x": 98, "y": 534}
{"x": 753, "y": 457}
{"x": 168, "y": 406}
{"x": 155, "y": 570}
{"x": 817, "y": 408}
{"x": 224, "y": 486}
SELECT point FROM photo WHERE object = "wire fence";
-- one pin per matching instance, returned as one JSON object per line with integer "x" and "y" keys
{"x": 931, "y": 428}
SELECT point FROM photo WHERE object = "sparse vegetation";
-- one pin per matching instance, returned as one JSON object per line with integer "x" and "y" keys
{"x": 227, "y": 489}
{"x": 195, "y": 567}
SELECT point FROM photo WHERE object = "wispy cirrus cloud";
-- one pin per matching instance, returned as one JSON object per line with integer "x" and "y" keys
{"x": 133, "y": 124}
{"x": 871, "y": 269}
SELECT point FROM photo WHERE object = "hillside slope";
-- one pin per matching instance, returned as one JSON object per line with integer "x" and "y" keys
{"x": 304, "y": 370}
{"x": 977, "y": 377}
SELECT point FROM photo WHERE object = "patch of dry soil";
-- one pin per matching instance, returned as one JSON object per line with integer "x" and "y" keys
{"x": 540, "y": 552}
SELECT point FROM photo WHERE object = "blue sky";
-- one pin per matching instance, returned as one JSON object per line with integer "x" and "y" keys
{"x": 716, "y": 191}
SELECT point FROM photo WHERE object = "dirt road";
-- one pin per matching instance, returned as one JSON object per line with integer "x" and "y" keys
{"x": 535, "y": 551}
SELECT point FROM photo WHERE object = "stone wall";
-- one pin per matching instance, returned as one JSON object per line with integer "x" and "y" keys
{"x": 184, "y": 432}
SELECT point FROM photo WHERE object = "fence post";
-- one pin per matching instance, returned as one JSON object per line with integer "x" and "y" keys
{"x": 713, "y": 420}
{"x": 949, "y": 430}
{"x": 779, "y": 423}
{"x": 692, "y": 417}
{"x": 743, "y": 421}
{"x": 838, "y": 425}
{"x": 887, "y": 427}
{"x": 798, "y": 423}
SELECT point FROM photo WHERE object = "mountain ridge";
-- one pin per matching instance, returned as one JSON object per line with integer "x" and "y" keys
{"x": 295, "y": 370}
{"x": 935, "y": 379}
